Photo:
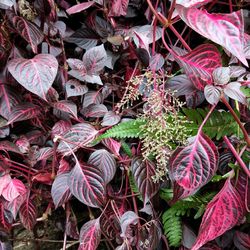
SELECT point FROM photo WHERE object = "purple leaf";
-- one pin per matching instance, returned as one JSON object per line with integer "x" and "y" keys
{"x": 236, "y": 71}
{"x": 29, "y": 31}
{"x": 225, "y": 29}
{"x": 119, "y": 8}
{"x": 60, "y": 128}
{"x": 233, "y": 91}
{"x": 242, "y": 240}
{"x": 28, "y": 214}
{"x": 127, "y": 219}
{"x": 143, "y": 172}
{"x": 221, "y": 75}
{"x": 6, "y": 4}
{"x": 94, "y": 59}
{"x": 23, "y": 112}
{"x": 222, "y": 213}
{"x": 15, "y": 205}
{"x": 156, "y": 62}
{"x": 110, "y": 119}
{"x": 86, "y": 183}
{"x": 37, "y": 74}
{"x": 212, "y": 94}
{"x": 113, "y": 145}
{"x": 192, "y": 3}
{"x": 60, "y": 190}
{"x": 191, "y": 167}
{"x": 44, "y": 153}
{"x": 79, "y": 7}
{"x": 105, "y": 161}
{"x": 200, "y": 63}
{"x": 80, "y": 135}
{"x": 247, "y": 45}
{"x": 90, "y": 235}
{"x": 14, "y": 188}
{"x": 75, "y": 88}
{"x": 92, "y": 97}
{"x": 78, "y": 68}
{"x": 66, "y": 106}
{"x": 93, "y": 79}
{"x": 95, "y": 110}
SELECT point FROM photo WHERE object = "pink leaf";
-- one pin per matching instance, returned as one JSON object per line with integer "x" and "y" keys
{"x": 110, "y": 119}
{"x": 60, "y": 128}
{"x": 29, "y": 31}
{"x": 222, "y": 213}
{"x": 80, "y": 134}
{"x": 92, "y": 97}
{"x": 225, "y": 29}
{"x": 156, "y": 62}
{"x": 191, "y": 167}
{"x": 192, "y": 3}
{"x": 113, "y": 145}
{"x": 60, "y": 190}
{"x": 66, "y": 106}
{"x": 86, "y": 183}
{"x": 200, "y": 63}
{"x": 28, "y": 214}
{"x": 44, "y": 153}
{"x": 105, "y": 161}
{"x": 90, "y": 235}
{"x": 37, "y": 74}
{"x": 23, "y": 112}
{"x": 79, "y": 7}
{"x": 75, "y": 88}
{"x": 119, "y": 8}
{"x": 212, "y": 94}
{"x": 95, "y": 110}
{"x": 15, "y": 205}
{"x": 13, "y": 190}
{"x": 9, "y": 146}
{"x": 143, "y": 172}
{"x": 233, "y": 91}
{"x": 4, "y": 182}
{"x": 221, "y": 75}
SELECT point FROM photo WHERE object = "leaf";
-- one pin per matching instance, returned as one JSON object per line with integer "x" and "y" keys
{"x": 193, "y": 166}
{"x": 29, "y": 31}
{"x": 80, "y": 135}
{"x": 6, "y": 4}
{"x": 13, "y": 190}
{"x": 222, "y": 213}
{"x": 221, "y": 75}
{"x": 113, "y": 145}
{"x": 94, "y": 59}
{"x": 105, "y": 161}
{"x": 143, "y": 172}
{"x": 127, "y": 219}
{"x": 28, "y": 214}
{"x": 66, "y": 106}
{"x": 241, "y": 240}
{"x": 226, "y": 30}
{"x": 92, "y": 97}
{"x": 110, "y": 119}
{"x": 60, "y": 128}
{"x": 212, "y": 94}
{"x": 119, "y": 8}
{"x": 60, "y": 191}
{"x": 71, "y": 227}
{"x": 4, "y": 182}
{"x": 156, "y": 62}
{"x": 75, "y": 88}
{"x": 23, "y": 112}
{"x": 9, "y": 146}
{"x": 15, "y": 205}
{"x": 192, "y": 3}
{"x": 79, "y": 7}
{"x": 44, "y": 153}
{"x": 37, "y": 74}
{"x": 86, "y": 183}
{"x": 94, "y": 110}
{"x": 200, "y": 63}
{"x": 233, "y": 91}
{"x": 90, "y": 235}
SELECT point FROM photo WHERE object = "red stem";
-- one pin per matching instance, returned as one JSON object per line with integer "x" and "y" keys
{"x": 171, "y": 10}
{"x": 239, "y": 160}
{"x": 206, "y": 118}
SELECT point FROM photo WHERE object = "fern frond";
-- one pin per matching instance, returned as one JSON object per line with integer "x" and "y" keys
{"x": 219, "y": 123}
{"x": 126, "y": 149}
{"x": 129, "y": 129}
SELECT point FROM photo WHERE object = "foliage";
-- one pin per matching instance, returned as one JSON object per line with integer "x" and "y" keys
{"x": 104, "y": 103}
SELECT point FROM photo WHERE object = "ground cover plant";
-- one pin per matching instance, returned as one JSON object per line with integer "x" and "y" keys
{"x": 127, "y": 122}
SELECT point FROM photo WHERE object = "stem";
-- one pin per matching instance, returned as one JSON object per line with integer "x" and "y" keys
{"x": 206, "y": 118}
{"x": 247, "y": 138}
{"x": 239, "y": 160}
{"x": 162, "y": 20}
{"x": 171, "y": 10}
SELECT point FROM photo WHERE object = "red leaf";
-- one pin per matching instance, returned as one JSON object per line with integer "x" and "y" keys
{"x": 90, "y": 235}
{"x": 4, "y": 222}
{"x": 44, "y": 178}
{"x": 28, "y": 214}
{"x": 191, "y": 167}
{"x": 37, "y": 74}
{"x": 113, "y": 145}
{"x": 44, "y": 153}
{"x": 60, "y": 190}
{"x": 79, "y": 7}
{"x": 119, "y": 8}
{"x": 13, "y": 190}
{"x": 200, "y": 63}
{"x": 23, "y": 112}
{"x": 143, "y": 172}
{"x": 75, "y": 88}
{"x": 86, "y": 183}
{"x": 225, "y": 29}
{"x": 60, "y": 128}
{"x": 80, "y": 135}
{"x": 242, "y": 240}
{"x": 29, "y": 31}
{"x": 4, "y": 182}
{"x": 105, "y": 161}
{"x": 222, "y": 213}
{"x": 66, "y": 106}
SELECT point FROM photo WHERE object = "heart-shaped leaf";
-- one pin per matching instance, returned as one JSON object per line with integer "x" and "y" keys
{"x": 143, "y": 172}
{"x": 37, "y": 74}
{"x": 222, "y": 213}
{"x": 192, "y": 166}
{"x": 90, "y": 235}
{"x": 225, "y": 29}
{"x": 60, "y": 190}
{"x": 23, "y": 112}
{"x": 75, "y": 88}
{"x": 200, "y": 63}
{"x": 80, "y": 134}
{"x": 28, "y": 214}
{"x": 105, "y": 161}
{"x": 86, "y": 183}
